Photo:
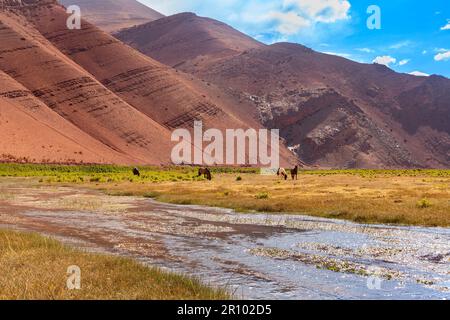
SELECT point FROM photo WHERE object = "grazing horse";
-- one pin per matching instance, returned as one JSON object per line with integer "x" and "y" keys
{"x": 136, "y": 172}
{"x": 294, "y": 173}
{"x": 205, "y": 172}
{"x": 281, "y": 172}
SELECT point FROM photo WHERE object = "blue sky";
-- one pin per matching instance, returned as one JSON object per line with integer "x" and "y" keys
{"x": 414, "y": 35}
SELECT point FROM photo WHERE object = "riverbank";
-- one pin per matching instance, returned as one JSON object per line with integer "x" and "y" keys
{"x": 253, "y": 256}
{"x": 402, "y": 197}
{"x": 35, "y": 267}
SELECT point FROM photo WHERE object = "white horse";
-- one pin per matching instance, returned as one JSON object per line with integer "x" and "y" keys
{"x": 282, "y": 172}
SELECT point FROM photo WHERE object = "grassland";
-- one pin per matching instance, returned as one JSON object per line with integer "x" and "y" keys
{"x": 35, "y": 267}
{"x": 380, "y": 198}
{"x": 410, "y": 197}
{"x": 106, "y": 173}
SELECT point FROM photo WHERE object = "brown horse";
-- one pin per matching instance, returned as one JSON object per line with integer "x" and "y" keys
{"x": 205, "y": 172}
{"x": 136, "y": 172}
{"x": 281, "y": 172}
{"x": 294, "y": 173}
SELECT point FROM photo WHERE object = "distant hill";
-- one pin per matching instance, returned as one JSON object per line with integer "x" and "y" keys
{"x": 341, "y": 113}
{"x": 113, "y": 15}
{"x": 184, "y": 37}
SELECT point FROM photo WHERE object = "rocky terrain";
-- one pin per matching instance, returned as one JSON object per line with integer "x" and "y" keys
{"x": 333, "y": 111}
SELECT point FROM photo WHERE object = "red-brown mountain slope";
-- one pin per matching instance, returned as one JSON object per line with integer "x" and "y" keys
{"x": 149, "y": 86}
{"x": 67, "y": 89}
{"x": 340, "y": 113}
{"x": 118, "y": 96}
{"x": 183, "y": 37}
{"x": 113, "y": 15}
{"x": 32, "y": 132}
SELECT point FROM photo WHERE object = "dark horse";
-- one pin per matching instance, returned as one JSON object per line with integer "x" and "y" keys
{"x": 136, "y": 172}
{"x": 294, "y": 173}
{"x": 205, "y": 172}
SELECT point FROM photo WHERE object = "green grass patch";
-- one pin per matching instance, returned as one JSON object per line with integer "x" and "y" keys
{"x": 109, "y": 173}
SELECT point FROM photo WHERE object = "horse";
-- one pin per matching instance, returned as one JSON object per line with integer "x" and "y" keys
{"x": 136, "y": 172}
{"x": 205, "y": 172}
{"x": 294, "y": 173}
{"x": 281, "y": 172}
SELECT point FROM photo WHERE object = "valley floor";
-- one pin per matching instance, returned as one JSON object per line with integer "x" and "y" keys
{"x": 254, "y": 256}
{"x": 404, "y": 197}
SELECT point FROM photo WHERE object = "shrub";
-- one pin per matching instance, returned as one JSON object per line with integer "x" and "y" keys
{"x": 262, "y": 195}
{"x": 150, "y": 195}
{"x": 424, "y": 203}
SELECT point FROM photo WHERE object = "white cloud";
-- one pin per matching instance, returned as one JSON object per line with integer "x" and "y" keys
{"x": 419, "y": 74}
{"x": 400, "y": 45}
{"x": 388, "y": 61}
{"x": 271, "y": 20}
{"x": 424, "y": 52}
{"x": 289, "y": 23}
{"x": 327, "y": 11}
{"x": 385, "y": 60}
{"x": 442, "y": 56}
{"x": 367, "y": 50}
{"x": 344, "y": 55}
{"x": 295, "y": 15}
{"x": 447, "y": 26}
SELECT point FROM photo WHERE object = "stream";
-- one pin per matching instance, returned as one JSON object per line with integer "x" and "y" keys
{"x": 255, "y": 256}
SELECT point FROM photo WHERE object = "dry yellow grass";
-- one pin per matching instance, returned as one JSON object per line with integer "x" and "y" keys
{"x": 35, "y": 267}
{"x": 412, "y": 200}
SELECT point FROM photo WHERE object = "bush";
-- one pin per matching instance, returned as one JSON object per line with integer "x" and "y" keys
{"x": 150, "y": 195}
{"x": 239, "y": 178}
{"x": 424, "y": 203}
{"x": 262, "y": 195}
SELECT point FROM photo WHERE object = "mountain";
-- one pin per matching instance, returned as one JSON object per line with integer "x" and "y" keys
{"x": 155, "y": 90}
{"x": 53, "y": 87}
{"x": 95, "y": 99}
{"x": 185, "y": 37}
{"x": 111, "y": 99}
{"x": 22, "y": 116}
{"x": 339, "y": 113}
{"x": 113, "y": 15}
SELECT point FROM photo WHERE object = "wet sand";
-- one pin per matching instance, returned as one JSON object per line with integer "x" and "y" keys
{"x": 270, "y": 256}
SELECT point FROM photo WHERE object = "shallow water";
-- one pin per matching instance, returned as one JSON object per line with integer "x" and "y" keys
{"x": 256, "y": 256}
